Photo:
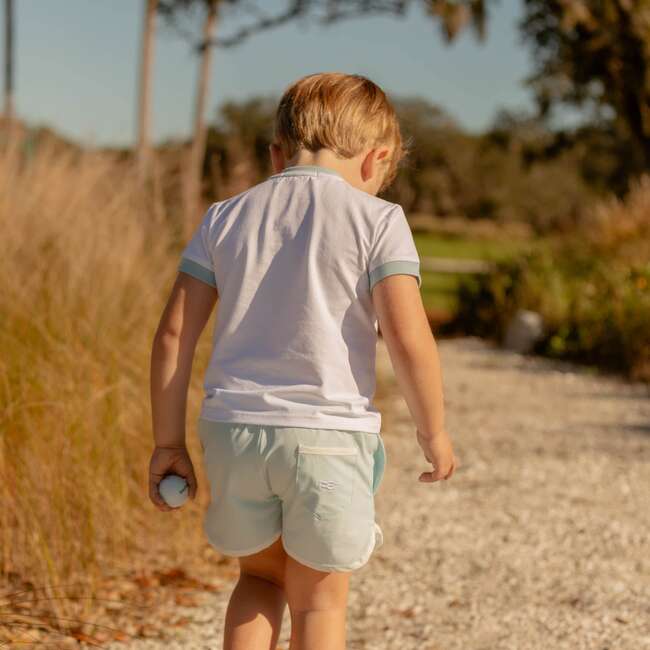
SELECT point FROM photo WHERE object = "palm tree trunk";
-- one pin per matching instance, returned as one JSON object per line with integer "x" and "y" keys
{"x": 197, "y": 147}
{"x": 9, "y": 62}
{"x": 143, "y": 147}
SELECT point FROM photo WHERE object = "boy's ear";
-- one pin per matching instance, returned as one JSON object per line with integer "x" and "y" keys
{"x": 382, "y": 153}
{"x": 369, "y": 165}
{"x": 278, "y": 162}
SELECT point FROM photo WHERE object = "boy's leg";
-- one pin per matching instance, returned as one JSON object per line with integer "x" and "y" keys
{"x": 256, "y": 607}
{"x": 318, "y": 605}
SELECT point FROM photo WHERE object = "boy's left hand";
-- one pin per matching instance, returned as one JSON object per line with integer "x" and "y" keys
{"x": 170, "y": 460}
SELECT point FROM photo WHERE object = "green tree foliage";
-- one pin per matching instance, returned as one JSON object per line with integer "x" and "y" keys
{"x": 596, "y": 54}
{"x": 237, "y": 146}
{"x": 453, "y": 16}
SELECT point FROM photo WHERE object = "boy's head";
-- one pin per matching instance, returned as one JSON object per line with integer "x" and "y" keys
{"x": 348, "y": 115}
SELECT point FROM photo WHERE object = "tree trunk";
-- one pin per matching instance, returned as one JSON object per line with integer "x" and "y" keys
{"x": 143, "y": 147}
{"x": 632, "y": 83}
{"x": 9, "y": 62}
{"x": 197, "y": 148}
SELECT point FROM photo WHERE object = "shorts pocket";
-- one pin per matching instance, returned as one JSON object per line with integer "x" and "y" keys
{"x": 325, "y": 477}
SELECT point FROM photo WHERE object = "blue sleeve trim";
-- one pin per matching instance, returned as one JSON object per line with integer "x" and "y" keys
{"x": 198, "y": 271}
{"x": 407, "y": 267}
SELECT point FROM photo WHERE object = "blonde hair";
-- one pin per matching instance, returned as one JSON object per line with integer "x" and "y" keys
{"x": 345, "y": 113}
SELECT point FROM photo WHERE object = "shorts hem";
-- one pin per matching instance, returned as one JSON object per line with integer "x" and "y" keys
{"x": 352, "y": 566}
{"x": 248, "y": 551}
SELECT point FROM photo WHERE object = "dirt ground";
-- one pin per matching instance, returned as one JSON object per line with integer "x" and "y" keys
{"x": 539, "y": 541}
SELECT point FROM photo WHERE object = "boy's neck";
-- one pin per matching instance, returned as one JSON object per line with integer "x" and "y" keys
{"x": 349, "y": 168}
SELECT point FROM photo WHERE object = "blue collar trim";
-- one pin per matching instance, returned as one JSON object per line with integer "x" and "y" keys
{"x": 307, "y": 170}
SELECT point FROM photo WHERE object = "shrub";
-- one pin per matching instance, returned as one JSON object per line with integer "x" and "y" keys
{"x": 595, "y": 306}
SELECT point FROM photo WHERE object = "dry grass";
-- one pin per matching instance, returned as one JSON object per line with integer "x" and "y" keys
{"x": 622, "y": 225}
{"x": 87, "y": 258}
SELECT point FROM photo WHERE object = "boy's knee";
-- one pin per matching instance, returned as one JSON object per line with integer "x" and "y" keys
{"x": 312, "y": 604}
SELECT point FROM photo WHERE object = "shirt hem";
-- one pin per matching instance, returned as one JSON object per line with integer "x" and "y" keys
{"x": 245, "y": 417}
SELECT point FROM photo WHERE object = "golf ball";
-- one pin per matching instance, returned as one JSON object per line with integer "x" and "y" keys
{"x": 174, "y": 490}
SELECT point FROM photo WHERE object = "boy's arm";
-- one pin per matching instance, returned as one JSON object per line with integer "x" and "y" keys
{"x": 414, "y": 356}
{"x": 187, "y": 311}
{"x": 412, "y": 349}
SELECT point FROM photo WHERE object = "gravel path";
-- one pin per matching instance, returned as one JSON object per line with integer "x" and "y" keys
{"x": 539, "y": 541}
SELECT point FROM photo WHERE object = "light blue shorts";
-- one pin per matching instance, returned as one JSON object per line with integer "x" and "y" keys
{"x": 313, "y": 487}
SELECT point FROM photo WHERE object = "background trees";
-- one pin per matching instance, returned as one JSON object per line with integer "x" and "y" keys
{"x": 453, "y": 17}
{"x": 595, "y": 54}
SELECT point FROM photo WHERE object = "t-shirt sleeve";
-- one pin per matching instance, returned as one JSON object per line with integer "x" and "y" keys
{"x": 393, "y": 250}
{"x": 196, "y": 258}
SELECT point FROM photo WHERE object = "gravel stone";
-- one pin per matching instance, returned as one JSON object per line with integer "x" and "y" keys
{"x": 540, "y": 539}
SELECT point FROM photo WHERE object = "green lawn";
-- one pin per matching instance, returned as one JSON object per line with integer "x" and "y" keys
{"x": 448, "y": 246}
{"x": 439, "y": 289}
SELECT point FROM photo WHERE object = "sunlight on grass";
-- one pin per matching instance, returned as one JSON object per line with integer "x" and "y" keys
{"x": 439, "y": 290}
{"x": 430, "y": 245}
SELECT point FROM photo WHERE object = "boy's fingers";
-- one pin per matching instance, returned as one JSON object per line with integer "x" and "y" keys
{"x": 436, "y": 475}
{"x": 191, "y": 481}
{"x": 451, "y": 469}
{"x": 155, "y": 497}
{"x": 429, "y": 477}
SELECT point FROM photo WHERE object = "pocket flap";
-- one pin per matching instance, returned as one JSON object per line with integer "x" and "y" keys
{"x": 339, "y": 451}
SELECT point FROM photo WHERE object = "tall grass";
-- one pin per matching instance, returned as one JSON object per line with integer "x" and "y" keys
{"x": 87, "y": 258}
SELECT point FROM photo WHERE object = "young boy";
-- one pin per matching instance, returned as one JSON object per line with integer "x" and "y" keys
{"x": 305, "y": 265}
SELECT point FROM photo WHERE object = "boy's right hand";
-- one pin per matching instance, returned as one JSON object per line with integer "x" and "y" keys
{"x": 438, "y": 451}
{"x": 170, "y": 460}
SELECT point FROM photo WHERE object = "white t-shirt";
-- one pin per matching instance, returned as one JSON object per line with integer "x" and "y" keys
{"x": 293, "y": 259}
